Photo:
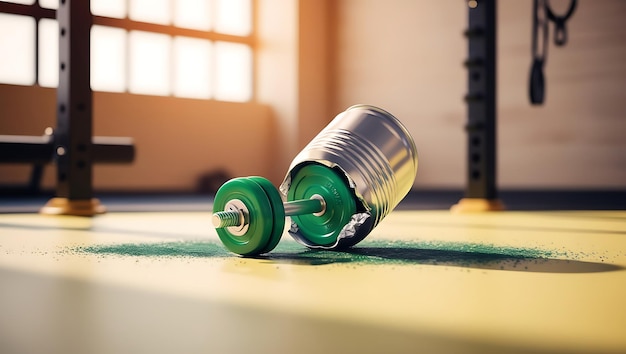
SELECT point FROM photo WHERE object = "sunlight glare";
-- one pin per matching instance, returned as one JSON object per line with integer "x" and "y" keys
{"x": 152, "y": 11}
{"x": 233, "y": 17}
{"x": 233, "y": 70}
{"x": 108, "y": 59}
{"x": 48, "y": 53}
{"x": 194, "y": 14}
{"x": 109, "y": 8}
{"x": 149, "y": 63}
{"x": 192, "y": 63}
{"x": 17, "y": 45}
{"x": 48, "y": 4}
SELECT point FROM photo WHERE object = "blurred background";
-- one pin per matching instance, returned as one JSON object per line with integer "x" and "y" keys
{"x": 213, "y": 89}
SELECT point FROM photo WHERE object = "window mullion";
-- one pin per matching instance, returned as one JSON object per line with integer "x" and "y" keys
{"x": 131, "y": 25}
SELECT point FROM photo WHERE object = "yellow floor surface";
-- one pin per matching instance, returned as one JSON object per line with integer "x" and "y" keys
{"x": 423, "y": 281}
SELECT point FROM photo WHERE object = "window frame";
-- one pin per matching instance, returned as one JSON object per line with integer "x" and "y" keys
{"x": 37, "y": 12}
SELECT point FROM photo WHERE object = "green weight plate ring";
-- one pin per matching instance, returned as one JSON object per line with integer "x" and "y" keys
{"x": 261, "y": 217}
{"x": 277, "y": 208}
{"x": 312, "y": 179}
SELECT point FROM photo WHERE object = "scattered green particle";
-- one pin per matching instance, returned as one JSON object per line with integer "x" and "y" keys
{"x": 190, "y": 249}
{"x": 374, "y": 252}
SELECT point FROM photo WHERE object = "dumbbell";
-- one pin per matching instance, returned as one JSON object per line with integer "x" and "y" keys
{"x": 337, "y": 189}
{"x": 249, "y": 214}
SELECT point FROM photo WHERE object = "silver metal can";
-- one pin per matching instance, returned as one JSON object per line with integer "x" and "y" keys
{"x": 378, "y": 158}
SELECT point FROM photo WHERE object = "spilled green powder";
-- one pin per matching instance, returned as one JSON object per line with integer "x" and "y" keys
{"x": 195, "y": 249}
{"x": 374, "y": 252}
{"x": 365, "y": 251}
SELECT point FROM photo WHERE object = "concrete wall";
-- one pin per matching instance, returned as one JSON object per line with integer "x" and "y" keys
{"x": 407, "y": 55}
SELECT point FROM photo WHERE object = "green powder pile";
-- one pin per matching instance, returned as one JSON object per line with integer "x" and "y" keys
{"x": 192, "y": 249}
{"x": 371, "y": 252}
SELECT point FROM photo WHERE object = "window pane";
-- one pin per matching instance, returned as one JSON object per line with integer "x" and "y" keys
{"x": 192, "y": 63}
{"x": 49, "y": 4}
{"x": 108, "y": 8}
{"x": 108, "y": 59}
{"x": 233, "y": 17}
{"x": 153, "y": 11}
{"x": 17, "y": 48}
{"x": 149, "y": 63}
{"x": 48, "y": 53}
{"x": 26, "y": 2}
{"x": 233, "y": 65}
{"x": 195, "y": 14}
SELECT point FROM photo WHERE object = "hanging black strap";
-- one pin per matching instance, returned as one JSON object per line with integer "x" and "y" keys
{"x": 537, "y": 82}
{"x": 542, "y": 15}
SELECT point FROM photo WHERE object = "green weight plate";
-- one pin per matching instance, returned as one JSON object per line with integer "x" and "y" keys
{"x": 261, "y": 216}
{"x": 340, "y": 204}
{"x": 278, "y": 210}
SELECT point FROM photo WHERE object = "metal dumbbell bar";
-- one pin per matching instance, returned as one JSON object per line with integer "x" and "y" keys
{"x": 238, "y": 215}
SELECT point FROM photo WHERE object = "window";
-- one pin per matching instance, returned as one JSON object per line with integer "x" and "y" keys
{"x": 184, "y": 48}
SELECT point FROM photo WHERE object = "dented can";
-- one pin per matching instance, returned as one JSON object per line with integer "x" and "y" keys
{"x": 376, "y": 157}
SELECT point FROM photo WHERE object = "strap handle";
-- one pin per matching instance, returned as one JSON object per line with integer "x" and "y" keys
{"x": 560, "y": 31}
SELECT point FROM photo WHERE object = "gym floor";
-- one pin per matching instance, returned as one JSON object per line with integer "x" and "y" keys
{"x": 151, "y": 276}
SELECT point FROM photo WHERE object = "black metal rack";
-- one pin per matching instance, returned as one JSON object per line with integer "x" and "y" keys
{"x": 481, "y": 191}
{"x": 71, "y": 145}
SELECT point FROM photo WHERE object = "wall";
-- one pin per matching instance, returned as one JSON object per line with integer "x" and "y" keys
{"x": 407, "y": 55}
{"x": 293, "y": 74}
{"x": 178, "y": 140}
